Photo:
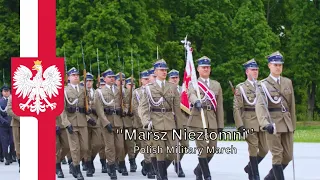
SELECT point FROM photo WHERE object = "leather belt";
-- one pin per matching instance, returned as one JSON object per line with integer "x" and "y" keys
{"x": 208, "y": 108}
{"x": 111, "y": 111}
{"x": 94, "y": 112}
{"x": 276, "y": 109}
{"x": 76, "y": 109}
{"x": 249, "y": 109}
{"x": 163, "y": 110}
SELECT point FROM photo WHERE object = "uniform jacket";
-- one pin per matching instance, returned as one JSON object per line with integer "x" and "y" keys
{"x": 5, "y": 120}
{"x": 15, "y": 119}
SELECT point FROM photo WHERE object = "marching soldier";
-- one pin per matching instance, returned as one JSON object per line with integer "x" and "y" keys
{"x": 117, "y": 78}
{"x": 246, "y": 119}
{"x": 160, "y": 110}
{"x": 5, "y": 129}
{"x": 94, "y": 130}
{"x": 147, "y": 167}
{"x": 277, "y": 96}
{"x": 76, "y": 121}
{"x": 128, "y": 124}
{"x": 62, "y": 144}
{"x": 212, "y": 105}
{"x": 109, "y": 112}
{"x": 102, "y": 155}
{"x": 184, "y": 142}
{"x": 15, "y": 124}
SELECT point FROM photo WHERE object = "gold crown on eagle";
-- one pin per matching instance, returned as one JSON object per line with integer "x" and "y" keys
{"x": 37, "y": 62}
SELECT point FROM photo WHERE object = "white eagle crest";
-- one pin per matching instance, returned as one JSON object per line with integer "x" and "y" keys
{"x": 38, "y": 88}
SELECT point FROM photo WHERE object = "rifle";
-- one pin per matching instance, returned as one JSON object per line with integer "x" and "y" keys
{"x": 4, "y": 82}
{"x": 139, "y": 73}
{"x": 120, "y": 77}
{"x": 232, "y": 88}
{"x": 131, "y": 90}
{"x": 98, "y": 77}
{"x": 85, "y": 82}
{"x": 65, "y": 64}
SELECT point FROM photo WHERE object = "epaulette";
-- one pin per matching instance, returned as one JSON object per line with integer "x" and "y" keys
{"x": 240, "y": 84}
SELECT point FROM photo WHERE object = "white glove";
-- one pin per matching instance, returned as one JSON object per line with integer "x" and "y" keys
{"x": 150, "y": 125}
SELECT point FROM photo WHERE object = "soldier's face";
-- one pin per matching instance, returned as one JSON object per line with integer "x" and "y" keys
{"x": 252, "y": 73}
{"x": 74, "y": 78}
{"x": 118, "y": 82}
{"x": 109, "y": 80}
{"x": 161, "y": 73}
{"x": 144, "y": 81}
{"x": 275, "y": 69}
{"x": 128, "y": 86}
{"x": 102, "y": 85}
{"x": 174, "y": 80}
{"x": 89, "y": 83}
{"x": 204, "y": 71}
{"x": 6, "y": 93}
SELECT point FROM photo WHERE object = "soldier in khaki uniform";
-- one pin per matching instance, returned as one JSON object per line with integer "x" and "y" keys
{"x": 137, "y": 125}
{"x": 159, "y": 103}
{"x": 246, "y": 119}
{"x": 62, "y": 144}
{"x": 276, "y": 93}
{"x": 174, "y": 78}
{"x": 102, "y": 154}
{"x": 109, "y": 112}
{"x": 15, "y": 124}
{"x": 76, "y": 121}
{"x": 128, "y": 124}
{"x": 214, "y": 115}
{"x": 94, "y": 130}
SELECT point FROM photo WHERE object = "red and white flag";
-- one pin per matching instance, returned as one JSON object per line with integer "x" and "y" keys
{"x": 187, "y": 77}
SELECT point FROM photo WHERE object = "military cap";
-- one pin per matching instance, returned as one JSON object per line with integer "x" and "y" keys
{"x": 251, "y": 64}
{"x": 128, "y": 80}
{"x": 144, "y": 74}
{"x": 89, "y": 77}
{"x": 102, "y": 80}
{"x": 151, "y": 71}
{"x": 275, "y": 58}
{"x": 118, "y": 76}
{"x": 204, "y": 61}
{"x": 160, "y": 64}
{"x": 173, "y": 73}
{"x": 5, "y": 87}
{"x": 108, "y": 72}
{"x": 73, "y": 70}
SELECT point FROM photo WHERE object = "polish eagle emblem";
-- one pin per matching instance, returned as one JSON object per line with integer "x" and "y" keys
{"x": 42, "y": 87}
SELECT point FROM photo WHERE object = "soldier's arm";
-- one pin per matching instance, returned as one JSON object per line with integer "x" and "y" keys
{"x": 9, "y": 109}
{"x": 220, "y": 112}
{"x": 126, "y": 101}
{"x": 65, "y": 121}
{"x": 100, "y": 111}
{"x": 293, "y": 108}
{"x": 135, "y": 104}
{"x": 261, "y": 109}
{"x": 177, "y": 110}
{"x": 144, "y": 109}
{"x": 237, "y": 107}
{"x": 192, "y": 94}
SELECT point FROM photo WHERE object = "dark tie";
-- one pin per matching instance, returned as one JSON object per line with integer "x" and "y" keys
{"x": 206, "y": 81}
{"x": 162, "y": 86}
{"x": 278, "y": 81}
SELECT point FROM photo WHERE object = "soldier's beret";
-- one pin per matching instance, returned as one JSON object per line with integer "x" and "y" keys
{"x": 275, "y": 58}
{"x": 118, "y": 76}
{"x": 204, "y": 61}
{"x": 73, "y": 70}
{"x": 173, "y": 73}
{"x": 89, "y": 77}
{"x": 160, "y": 64}
{"x": 144, "y": 74}
{"x": 108, "y": 72}
{"x": 251, "y": 64}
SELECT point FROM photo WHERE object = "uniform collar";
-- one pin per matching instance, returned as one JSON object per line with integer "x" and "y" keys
{"x": 275, "y": 79}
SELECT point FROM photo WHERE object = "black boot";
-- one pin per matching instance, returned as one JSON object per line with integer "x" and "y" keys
{"x": 197, "y": 171}
{"x": 178, "y": 169}
{"x": 1, "y": 157}
{"x": 70, "y": 166}
{"x": 247, "y": 169}
{"x": 112, "y": 171}
{"x": 89, "y": 172}
{"x": 278, "y": 171}
{"x": 154, "y": 168}
{"x": 78, "y": 173}
{"x": 168, "y": 163}
{"x": 59, "y": 171}
{"x": 19, "y": 164}
{"x": 143, "y": 169}
{"x": 8, "y": 159}
{"x": 117, "y": 166}
{"x": 254, "y": 168}
{"x": 270, "y": 175}
{"x": 92, "y": 165}
{"x": 104, "y": 168}
{"x": 123, "y": 168}
{"x": 133, "y": 165}
{"x": 84, "y": 165}
{"x": 148, "y": 167}
{"x": 64, "y": 161}
{"x": 162, "y": 170}
{"x": 204, "y": 164}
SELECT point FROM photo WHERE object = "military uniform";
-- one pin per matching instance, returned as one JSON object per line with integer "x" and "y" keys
{"x": 184, "y": 142}
{"x": 76, "y": 123}
{"x": 212, "y": 105}
{"x": 94, "y": 130}
{"x": 15, "y": 124}
{"x": 246, "y": 120}
{"x": 159, "y": 103}
{"x": 62, "y": 144}
{"x": 5, "y": 129}
{"x": 128, "y": 125}
{"x": 108, "y": 109}
{"x": 278, "y": 95}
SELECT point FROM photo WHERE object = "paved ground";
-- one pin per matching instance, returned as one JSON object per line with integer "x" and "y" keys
{"x": 223, "y": 167}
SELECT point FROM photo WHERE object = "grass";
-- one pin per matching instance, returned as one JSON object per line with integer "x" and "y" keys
{"x": 306, "y": 131}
